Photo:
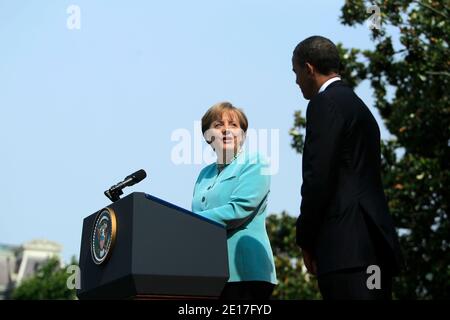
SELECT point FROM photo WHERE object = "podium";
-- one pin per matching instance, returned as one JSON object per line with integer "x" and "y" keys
{"x": 157, "y": 251}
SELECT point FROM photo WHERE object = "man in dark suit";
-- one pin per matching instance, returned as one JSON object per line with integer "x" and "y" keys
{"x": 344, "y": 229}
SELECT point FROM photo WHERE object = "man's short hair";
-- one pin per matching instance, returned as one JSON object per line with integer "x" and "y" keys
{"x": 320, "y": 52}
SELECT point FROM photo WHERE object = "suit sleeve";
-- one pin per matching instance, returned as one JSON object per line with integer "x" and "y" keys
{"x": 324, "y": 131}
{"x": 247, "y": 199}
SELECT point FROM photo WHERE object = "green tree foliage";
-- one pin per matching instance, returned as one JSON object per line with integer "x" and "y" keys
{"x": 410, "y": 80}
{"x": 294, "y": 281}
{"x": 49, "y": 282}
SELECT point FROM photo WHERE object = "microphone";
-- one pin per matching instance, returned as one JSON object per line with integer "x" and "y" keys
{"x": 115, "y": 191}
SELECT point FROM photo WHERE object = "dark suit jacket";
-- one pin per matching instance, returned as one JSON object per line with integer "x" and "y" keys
{"x": 344, "y": 219}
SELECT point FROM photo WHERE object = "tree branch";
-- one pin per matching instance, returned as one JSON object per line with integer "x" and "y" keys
{"x": 439, "y": 73}
{"x": 431, "y": 8}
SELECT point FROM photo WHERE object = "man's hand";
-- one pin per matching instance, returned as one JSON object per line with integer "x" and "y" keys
{"x": 310, "y": 262}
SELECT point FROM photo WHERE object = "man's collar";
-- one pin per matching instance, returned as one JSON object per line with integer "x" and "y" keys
{"x": 328, "y": 82}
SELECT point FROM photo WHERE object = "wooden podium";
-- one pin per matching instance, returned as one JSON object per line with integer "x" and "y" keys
{"x": 156, "y": 251}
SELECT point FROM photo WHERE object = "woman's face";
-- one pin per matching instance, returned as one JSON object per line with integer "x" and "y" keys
{"x": 226, "y": 134}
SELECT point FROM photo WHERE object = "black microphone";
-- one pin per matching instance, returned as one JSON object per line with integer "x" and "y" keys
{"x": 115, "y": 191}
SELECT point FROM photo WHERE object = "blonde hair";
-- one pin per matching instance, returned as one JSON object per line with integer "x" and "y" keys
{"x": 216, "y": 111}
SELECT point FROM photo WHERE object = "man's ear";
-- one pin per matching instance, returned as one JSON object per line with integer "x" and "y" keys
{"x": 309, "y": 69}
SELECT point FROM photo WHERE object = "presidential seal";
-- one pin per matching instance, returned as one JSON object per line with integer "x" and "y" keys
{"x": 103, "y": 235}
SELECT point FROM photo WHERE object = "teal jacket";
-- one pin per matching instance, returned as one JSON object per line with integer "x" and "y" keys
{"x": 237, "y": 199}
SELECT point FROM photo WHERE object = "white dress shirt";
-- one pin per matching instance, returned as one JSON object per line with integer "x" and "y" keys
{"x": 327, "y": 83}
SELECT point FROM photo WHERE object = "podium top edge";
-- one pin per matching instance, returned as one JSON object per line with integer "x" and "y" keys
{"x": 173, "y": 206}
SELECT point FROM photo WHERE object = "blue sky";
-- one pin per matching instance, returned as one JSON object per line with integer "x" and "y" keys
{"x": 81, "y": 109}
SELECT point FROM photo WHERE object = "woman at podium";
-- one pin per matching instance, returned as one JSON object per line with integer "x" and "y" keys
{"x": 233, "y": 192}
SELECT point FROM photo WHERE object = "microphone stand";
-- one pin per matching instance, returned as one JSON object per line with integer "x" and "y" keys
{"x": 113, "y": 194}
